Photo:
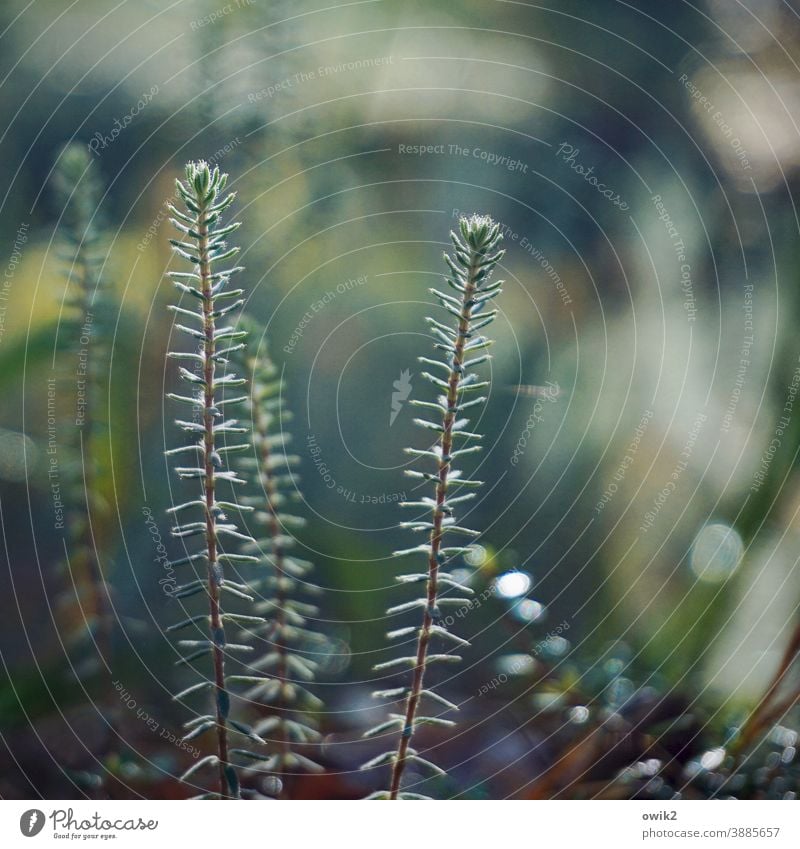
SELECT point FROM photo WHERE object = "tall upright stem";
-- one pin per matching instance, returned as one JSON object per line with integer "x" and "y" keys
{"x": 446, "y": 444}
{"x": 100, "y": 600}
{"x": 217, "y": 630}
{"x": 281, "y": 669}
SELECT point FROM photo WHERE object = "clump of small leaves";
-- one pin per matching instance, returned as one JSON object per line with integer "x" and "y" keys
{"x": 461, "y": 348}
{"x": 285, "y": 634}
{"x": 206, "y": 285}
{"x": 87, "y": 305}
{"x": 759, "y": 758}
{"x": 708, "y": 764}
{"x": 756, "y": 759}
{"x": 609, "y": 728}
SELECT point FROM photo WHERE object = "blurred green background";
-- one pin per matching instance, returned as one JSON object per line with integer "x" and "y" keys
{"x": 642, "y": 160}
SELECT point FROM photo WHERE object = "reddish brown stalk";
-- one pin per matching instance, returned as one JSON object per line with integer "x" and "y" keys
{"x": 762, "y": 714}
{"x": 210, "y": 517}
{"x": 446, "y": 443}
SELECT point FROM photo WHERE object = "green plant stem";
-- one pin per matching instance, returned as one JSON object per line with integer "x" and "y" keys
{"x": 217, "y": 629}
{"x": 80, "y": 192}
{"x": 281, "y": 671}
{"x": 100, "y": 600}
{"x": 446, "y": 443}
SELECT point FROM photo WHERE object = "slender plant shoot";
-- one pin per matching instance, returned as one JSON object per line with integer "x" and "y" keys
{"x": 286, "y": 634}
{"x": 204, "y": 248}
{"x": 79, "y": 192}
{"x": 476, "y": 253}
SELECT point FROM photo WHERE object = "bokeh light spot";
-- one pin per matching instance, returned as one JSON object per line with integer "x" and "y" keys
{"x": 716, "y": 553}
{"x": 513, "y": 584}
